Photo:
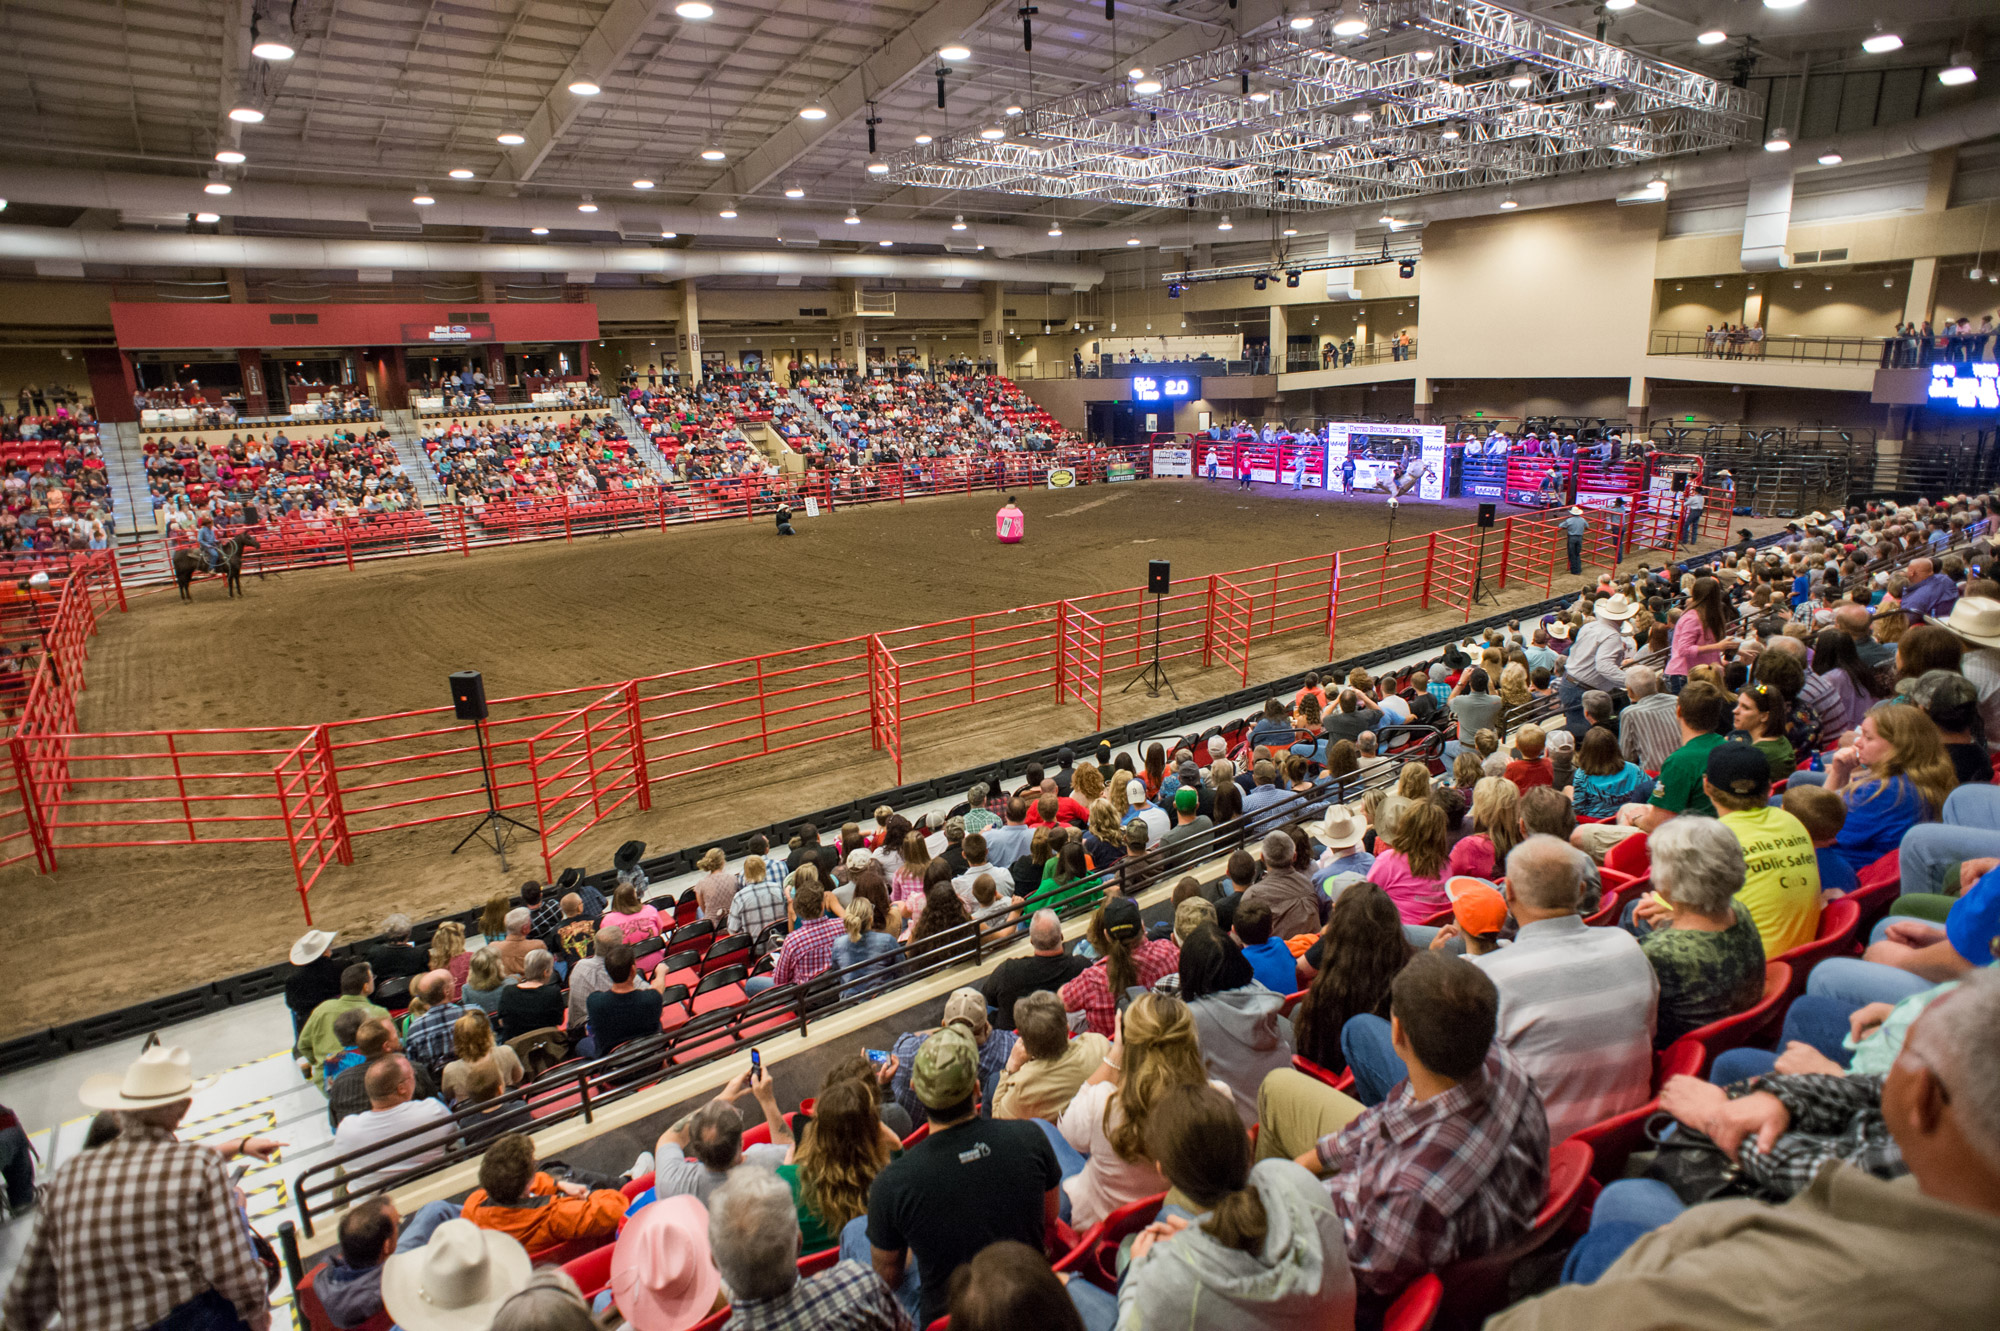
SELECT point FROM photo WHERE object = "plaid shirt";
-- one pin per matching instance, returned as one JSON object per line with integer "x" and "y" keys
{"x": 1833, "y": 1118}
{"x": 808, "y": 950}
{"x": 428, "y": 1039}
{"x": 993, "y": 1056}
{"x": 1090, "y": 993}
{"x": 847, "y": 1297}
{"x": 129, "y": 1232}
{"x": 1419, "y": 1185}
{"x": 546, "y": 918}
{"x": 757, "y": 907}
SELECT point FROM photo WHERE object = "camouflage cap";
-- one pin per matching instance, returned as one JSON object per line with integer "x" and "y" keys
{"x": 947, "y": 1070}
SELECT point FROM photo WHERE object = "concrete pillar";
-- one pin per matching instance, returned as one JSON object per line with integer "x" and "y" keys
{"x": 689, "y": 339}
{"x": 1280, "y": 336}
{"x": 1422, "y": 396}
{"x": 1944, "y": 171}
{"x": 239, "y": 290}
{"x": 1638, "y": 397}
{"x": 1753, "y": 308}
{"x": 1922, "y": 297}
{"x": 993, "y": 325}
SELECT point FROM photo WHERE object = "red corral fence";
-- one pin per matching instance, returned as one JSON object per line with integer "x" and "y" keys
{"x": 561, "y": 763}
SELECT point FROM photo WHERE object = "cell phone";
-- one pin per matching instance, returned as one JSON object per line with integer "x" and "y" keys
{"x": 877, "y": 1056}
{"x": 756, "y": 1065}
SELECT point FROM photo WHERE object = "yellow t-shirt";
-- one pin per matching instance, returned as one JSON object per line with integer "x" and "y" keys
{"x": 1781, "y": 891}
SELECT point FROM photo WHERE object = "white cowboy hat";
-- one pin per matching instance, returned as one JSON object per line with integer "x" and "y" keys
{"x": 1338, "y": 830}
{"x": 1815, "y": 516}
{"x": 1560, "y": 630}
{"x": 457, "y": 1281}
{"x": 1976, "y": 619}
{"x": 1578, "y": 511}
{"x": 159, "y": 1076}
{"x": 312, "y": 945}
{"x": 1616, "y": 607}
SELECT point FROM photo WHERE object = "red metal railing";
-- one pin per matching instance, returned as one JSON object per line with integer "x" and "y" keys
{"x": 1080, "y": 676}
{"x": 1233, "y": 613}
{"x": 309, "y": 801}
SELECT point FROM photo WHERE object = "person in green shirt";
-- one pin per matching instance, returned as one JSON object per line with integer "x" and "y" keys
{"x": 837, "y": 1156}
{"x": 317, "y": 1042}
{"x": 1702, "y": 941}
{"x": 1701, "y": 709}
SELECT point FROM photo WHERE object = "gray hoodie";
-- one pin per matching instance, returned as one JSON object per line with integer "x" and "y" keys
{"x": 1301, "y": 1278}
{"x": 1242, "y": 1038}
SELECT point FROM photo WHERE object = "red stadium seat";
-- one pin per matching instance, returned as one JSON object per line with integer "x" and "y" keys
{"x": 1340, "y": 1081}
{"x": 1095, "y": 1255}
{"x": 315, "y": 1312}
{"x": 592, "y": 1271}
{"x": 1737, "y": 1031}
{"x": 1476, "y": 1287}
{"x": 1613, "y": 1140}
{"x": 1629, "y": 856}
{"x": 1837, "y": 925}
{"x": 1416, "y": 1306}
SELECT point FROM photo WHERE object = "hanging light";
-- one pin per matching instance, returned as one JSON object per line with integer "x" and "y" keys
{"x": 459, "y": 173}
{"x": 208, "y": 218}
{"x": 795, "y": 192}
{"x": 270, "y": 48}
{"x": 215, "y": 187}
{"x": 1606, "y": 100}
{"x": 1783, "y": 4}
{"x": 1362, "y": 115}
{"x": 585, "y": 88}
{"x": 1830, "y": 158}
{"x": 958, "y": 221}
{"x": 669, "y": 235}
{"x": 1620, "y": 4}
{"x": 1289, "y": 231}
{"x": 1147, "y": 87}
{"x": 853, "y": 218}
{"x": 1959, "y": 72}
{"x": 538, "y": 231}
{"x": 230, "y": 157}
{"x": 1509, "y": 204}
{"x": 1449, "y": 134}
{"x": 923, "y": 139}
{"x": 1346, "y": 24}
{"x": 1713, "y": 37}
{"x": 1779, "y": 142}
{"x": 246, "y": 115}
{"x": 993, "y": 133}
{"x": 1519, "y": 76}
{"x": 1225, "y": 224}
{"x": 642, "y": 183}
{"x": 586, "y": 206}
{"x": 1424, "y": 55}
{"x": 694, "y": 10}
{"x": 1136, "y": 72}
{"x": 1055, "y": 228}
{"x": 877, "y": 167}
{"x": 885, "y": 244}
{"x": 1012, "y": 110}
{"x": 728, "y": 212}
{"x": 713, "y": 152}
{"x": 1881, "y": 43}
{"x": 1134, "y": 240}
{"x": 954, "y": 52}
{"x": 1301, "y": 21}
{"x": 423, "y": 200}
{"x": 512, "y": 140}
{"x": 813, "y": 112}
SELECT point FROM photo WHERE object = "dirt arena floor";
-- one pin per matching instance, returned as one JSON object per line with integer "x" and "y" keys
{"x": 334, "y": 644}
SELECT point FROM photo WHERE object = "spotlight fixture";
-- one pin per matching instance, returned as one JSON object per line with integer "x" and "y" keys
{"x": 1135, "y": 72}
{"x": 877, "y": 167}
{"x": 694, "y": 10}
{"x": 1881, "y": 43}
{"x": 1300, "y": 22}
{"x": 958, "y": 221}
{"x": 1259, "y": 281}
{"x": 461, "y": 173}
{"x": 1779, "y": 142}
{"x": 1346, "y": 24}
{"x": 1606, "y": 100}
{"x": 713, "y": 152}
{"x": 1620, "y": 4}
{"x": 853, "y": 218}
{"x": 1012, "y": 110}
{"x": 586, "y": 206}
{"x": 1783, "y": 4}
{"x": 1387, "y": 219}
{"x": 1147, "y": 87}
{"x": 1959, "y": 72}
{"x": 1406, "y": 268}
{"x": 423, "y": 200}
{"x": 1289, "y": 231}
{"x": 954, "y": 52}
{"x": 1174, "y": 293}
{"x": 1424, "y": 55}
{"x": 1830, "y": 158}
{"x": 246, "y": 115}
{"x": 813, "y": 112}
{"x": 1225, "y": 224}
{"x": 1509, "y": 204}
{"x": 1134, "y": 240}
{"x": 922, "y": 139}
{"x": 208, "y": 219}
{"x": 1362, "y": 115}
{"x": 585, "y": 88}
{"x": 538, "y": 231}
{"x": 1713, "y": 37}
{"x": 993, "y": 133}
{"x": 215, "y": 187}
{"x": 885, "y": 244}
{"x": 270, "y": 48}
{"x": 230, "y": 157}
{"x": 1055, "y": 228}
{"x": 1519, "y": 76}
{"x": 795, "y": 191}
{"x": 1292, "y": 277}
{"x": 512, "y": 140}
{"x": 1260, "y": 96}
{"x": 1449, "y": 133}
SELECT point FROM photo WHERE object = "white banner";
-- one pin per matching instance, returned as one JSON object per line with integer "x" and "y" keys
{"x": 812, "y": 507}
{"x": 1425, "y": 475}
{"x": 1173, "y": 462}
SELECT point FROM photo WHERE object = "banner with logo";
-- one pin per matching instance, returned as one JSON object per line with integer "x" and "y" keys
{"x": 1120, "y": 471}
{"x": 1173, "y": 462}
{"x": 812, "y": 507}
{"x": 1061, "y": 478}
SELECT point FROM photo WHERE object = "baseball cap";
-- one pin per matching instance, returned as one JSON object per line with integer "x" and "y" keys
{"x": 1120, "y": 918}
{"x": 968, "y": 1006}
{"x": 1135, "y": 791}
{"x": 1477, "y": 905}
{"x": 1739, "y": 768}
{"x": 947, "y": 1068}
{"x": 1186, "y": 800}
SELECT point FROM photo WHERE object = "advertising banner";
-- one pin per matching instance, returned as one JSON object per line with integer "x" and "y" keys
{"x": 1173, "y": 462}
{"x": 1397, "y": 474}
{"x": 1061, "y": 478}
{"x": 1120, "y": 471}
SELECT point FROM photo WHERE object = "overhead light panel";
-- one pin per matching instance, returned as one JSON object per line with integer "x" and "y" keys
{"x": 713, "y": 153}
{"x": 1225, "y": 224}
{"x": 585, "y": 88}
{"x": 215, "y": 187}
{"x": 1959, "y": 72}
{"x": 813, "y": 112}
{"x": 954, "y": 52}
{"x": 993, "y": 133}
{"x": 640, "y": 183}
{"x": 538, "y": 231}
{"x": 1347, "y": 24}
{"x": 728, "y": 212}
{"x": 694, "y": 10}
{"x": 422, "y": 200}
{"x": 1779, "y": 142}
{"x": 795, "y": 192}
{"x": 877, "y": 167}
{"x": 246, "y": 115}
{"x": 1713, "y": 37}
{"x": 1146, "y": 87}
{"x": 1012, "y": 110}
{"x": 512, "y": 140}
{"x": 1831, "y": 159}
{"x": 1881, "y": 43}
{"x": 923, "y": 139}
{"x": 1509, "y": 204}
{"x": 459, "y": 173}
{"x": 208, "y": 219}
{"x": 586, "y": 206}
{"x": 230, "y": 157}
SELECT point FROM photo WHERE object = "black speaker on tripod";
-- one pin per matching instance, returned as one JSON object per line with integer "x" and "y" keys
{"x": 1159, "y": 583}
{"x": 468, "y": 695}
{"x": 1486, "y": 515}
{"x": 468, "y": 703}
{"x": 1159, "y": 577}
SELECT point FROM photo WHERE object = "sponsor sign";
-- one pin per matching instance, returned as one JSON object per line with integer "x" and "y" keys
{"x": 812, "y": 507}
{"x": 1063, "y": 478}
{"x": 1173, "y": 461}
{"x": 447, "y": 332}
{"x": 1120, "y": 471}
{"x": 1369, "y": 473}
{"x": 1486, "y": 491}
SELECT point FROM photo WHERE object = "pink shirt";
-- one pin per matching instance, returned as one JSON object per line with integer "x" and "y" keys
{"x": 637, "y": 927}
{"x": 1689, "y": 633}
{"x": 1473, "y": 857}
{"x": 1417, "y": 899}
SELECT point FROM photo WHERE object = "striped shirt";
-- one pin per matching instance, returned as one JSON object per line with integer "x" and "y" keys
{"x": 1577, "y": 1010}
{"x": 132, "y": 1230}
{"x": 1650, "y": 730}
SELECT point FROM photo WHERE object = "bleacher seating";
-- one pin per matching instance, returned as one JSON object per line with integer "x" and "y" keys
{"x": 344, "y": 474}
{"x": 509, "y": 460}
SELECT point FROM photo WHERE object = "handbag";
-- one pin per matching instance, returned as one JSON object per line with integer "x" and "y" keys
{"x": 1688, "y": 1161}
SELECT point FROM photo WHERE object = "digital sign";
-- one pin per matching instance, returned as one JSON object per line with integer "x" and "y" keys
{"x": 1162, "y": 390}
{"x": 1970, "y": 386}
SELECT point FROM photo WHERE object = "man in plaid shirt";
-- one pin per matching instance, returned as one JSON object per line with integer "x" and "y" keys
{"x": 758, "y": 904}
{"x": 145, "y": 1230}
{"x": 1455, "y": 1162}
{"x": 753, "y": 1225}
{"x": 428, "y": 1039}
{"x": 808, "y": 948}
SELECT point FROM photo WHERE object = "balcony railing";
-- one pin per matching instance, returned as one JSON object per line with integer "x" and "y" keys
{"x": 1791, "y": 348}
{"x": 1381, "y": 352}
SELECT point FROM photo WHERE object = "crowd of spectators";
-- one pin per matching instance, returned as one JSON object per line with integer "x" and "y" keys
{"x": 1350, "y": 1059}
{"x": 250, "y": 478}
{"x": 504, "y": 459}
{"x": 54, "y": 492}
{"x": 699, "y": 430}
{"x": 1954, "y": 341}
{"x": 884, "y": 420}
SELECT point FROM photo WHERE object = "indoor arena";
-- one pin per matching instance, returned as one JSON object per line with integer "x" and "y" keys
{"x": 708, "y": 665}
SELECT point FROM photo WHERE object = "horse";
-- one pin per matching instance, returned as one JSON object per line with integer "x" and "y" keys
{"x": 188, "y": 559}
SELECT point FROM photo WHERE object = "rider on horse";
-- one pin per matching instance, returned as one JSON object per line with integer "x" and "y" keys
{"x": 211, "y": 545}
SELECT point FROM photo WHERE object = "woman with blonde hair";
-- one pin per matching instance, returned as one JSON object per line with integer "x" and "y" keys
{"x": 1100, "y": 1140}
{"x": 1114, "y": 791}
{"x": 1414, "y": 782}
{"x": 1514, "y": 687}
{"x": 1412, "y": 869}
{"x": 472, "y": 1042}
{"x": 1104, "y": 840}
{"x": 864, "y": 943}
{"x": 908, "y": 884}
{"x": 1892, "y": 774}
{"x": 1496, "y": 829}
{"x": 832, "y": 1166}
{"x": 716, "y": 887}
{"x": 448, "y": 954}
{"x": 484, "y": 979}
{"x": 1466, "y": 770}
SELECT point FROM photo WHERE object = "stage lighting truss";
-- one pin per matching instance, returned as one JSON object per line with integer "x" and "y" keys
{"x": 1406, "y": 249}
{"x": 1199, "y": 142}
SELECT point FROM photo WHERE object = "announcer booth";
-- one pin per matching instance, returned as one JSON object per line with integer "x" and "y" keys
{"x": 1388, "y": 459}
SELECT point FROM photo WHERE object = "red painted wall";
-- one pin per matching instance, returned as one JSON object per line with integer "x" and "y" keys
{"x": 165, "y": 326}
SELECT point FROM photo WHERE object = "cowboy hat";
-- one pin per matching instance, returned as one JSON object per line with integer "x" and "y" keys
{"x": 1577, "y": 510}
{"x": 627, "y": 856}
{"x": 1616, "y": 607}
{"x": 457, "y": 1281}
{"x": 312, "y": 945}
{"x": 569, "y": 878}
{"x": 1560, "y": 630}
{"x": 159, "y": 1076}
{"x": 1338, "y": 829}
{"x": 662, "y": 1273}
{"x": 1976, "y": 619}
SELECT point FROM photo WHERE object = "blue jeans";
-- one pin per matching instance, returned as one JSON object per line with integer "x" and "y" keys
{"x": 1859, "y": 983}
{"x": 854, "y": 1247}
{"x": 1819, "y": 1022}
{"x": 1372, "y": 1057}
{"x": 1571, "y": 696}
{"x": 1675, "y": 683}
{"x": 1098, "y": 1309}
{"x": 1626, "y": 1211}
{"x": 1970, "y": 831}
{"x": 1070, "y": 1160}
{"x": 1575, "y": 555}
{"x": 757, "y": 984}
{"x": 418, "y": 1228}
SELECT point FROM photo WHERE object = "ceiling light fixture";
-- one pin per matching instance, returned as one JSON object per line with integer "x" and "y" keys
{"x": 1519, "y": 76}
{"x": 728, "y": 212}
{"x": 1136, "y": 72}
{"x": 1713, "y": 37}
{"x": 422, "y": 200}
{"x": 1959, "y": 72}
{"x": 208, "y": 218}
{"x": 271, "y": 49}
{"x": 958, "y": 221}
{"x": 669, "y": 235}
{"x": 246, "y": 115}
{"x": 993, "y": 133}
{"x": 1225, "y": 224}
{"x": 1783, "y": 4}
{"x": 585, "y": 88}
{"x": 885, "y": 244}
{"x": 1348, "y": 25}
{"x": 512, "y": 140}
{"x": 1620, "y": 4}
{"x": 640, "y": 183}
{"x": 795, "y": 192}
{"x": 713, "y": 153}
{"x": 1779, "y": 142}
{"x": 230, "y": 157}
{"x": 694, "y": 10}
{"x": 853, "y": 218}
{"x": 1134, "y": 240}
{"x": 1260, "y": 96}
{"x": 1147, "y": 87}
{"x": 1510, "y": 203}
{"x": 459, "y": 173}
{"x": 586, "y": 206}
{"x": 1300, "y": 22}
{"x": 954, "y": 52}
{"x": 813, "y": 112}
{"x": 1055, "y": 228}
{"x": 1362, "y": 115}
{"x": 923, "y": 139}
{"x": 1449, "y": 134}
{"x": 1012, "y": 110}
{"x": 538, "y": 231}
{"x": 1881, "y": 43}
{"x": 1289, "y": 231}
{"x": 1606, "y": 100}
{"x": 877, "y": 167}
{"x": 215, "y": 187}
{"x": 1424, "y": 55}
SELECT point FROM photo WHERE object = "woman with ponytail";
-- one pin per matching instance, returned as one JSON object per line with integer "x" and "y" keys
{"x": 1267, "y": 1251}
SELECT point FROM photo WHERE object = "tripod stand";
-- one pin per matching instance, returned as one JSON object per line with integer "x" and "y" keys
{"x": 492, "y": 820}
{"x": 1154, "y": 676}
{"x": 1480, "y": 591}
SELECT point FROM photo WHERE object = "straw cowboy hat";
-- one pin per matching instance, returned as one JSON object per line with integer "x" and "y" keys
{"x": 312, "y": 945}
{"x": 662, "y": 1273}
{"x": 1976, "y": 619}
{"x": 1577, "y": 510}
{"x": 1338, "y": 830}
{"x": 457, "y": 1281}
{"x": 1559, "y": 630}
{"x": 1616, "y": 607}
{"x": 159, "y": 1076}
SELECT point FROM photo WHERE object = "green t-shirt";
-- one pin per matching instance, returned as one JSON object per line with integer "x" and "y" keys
{"x": 1781, "y": 889}
{"x": 1680, "y": 778}
{"x": 813, "y": 1235}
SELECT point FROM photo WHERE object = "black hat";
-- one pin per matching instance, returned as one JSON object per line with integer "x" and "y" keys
{"x": 1065, "y": 756}
{"x": 570, "y": 878}
{"x": 628, "y": 855}
{"x": 1120, "y": 919}
{"x": 1741, "y": 769}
